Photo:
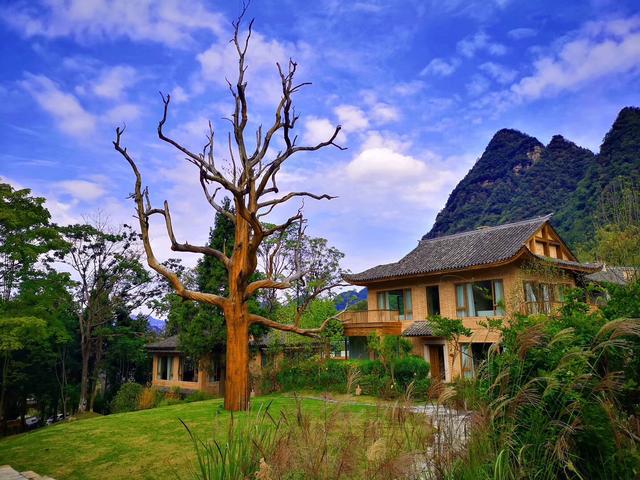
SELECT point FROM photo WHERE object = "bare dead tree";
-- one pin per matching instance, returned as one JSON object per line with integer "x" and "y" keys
{"x": 249, "y": 177}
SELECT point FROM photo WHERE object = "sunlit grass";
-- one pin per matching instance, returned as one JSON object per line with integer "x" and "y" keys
{"x": 149, "y": 444}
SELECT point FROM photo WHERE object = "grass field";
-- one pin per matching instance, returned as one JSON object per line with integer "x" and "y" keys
{"x": 148, "y": 444}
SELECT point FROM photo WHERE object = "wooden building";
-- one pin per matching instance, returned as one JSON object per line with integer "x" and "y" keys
{"x": 172, "y": 368}
{"x": 486, "y": 273}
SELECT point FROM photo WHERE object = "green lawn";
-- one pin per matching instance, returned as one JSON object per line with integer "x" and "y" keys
{"x": 149, "y": 444}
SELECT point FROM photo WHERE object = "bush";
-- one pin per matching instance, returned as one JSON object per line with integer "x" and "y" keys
{"x": 197, "y": 396}
{"x": 410, "y": 369}
{"x": 313, "y": 374}
{"x": 127, "y": 398}
{"x": 150, "y": 397}
{"x": 421, "y": 388}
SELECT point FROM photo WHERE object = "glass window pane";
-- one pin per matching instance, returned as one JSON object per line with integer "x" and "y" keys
{"x": 433, "y": 301}
{"x": 460, "y": 301}
{"x": 498, "y": 292}
{"x": 483, "y": 298}
{"x": 471, "y": 301}
{"x": 467, "y": 360}
{"x": 381, "y": 302}
{"x": 395, "y": 301}
{"x": 408, "y": 307}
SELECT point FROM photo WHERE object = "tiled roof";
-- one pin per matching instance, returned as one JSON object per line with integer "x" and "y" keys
{"x": 273, "y": 337}
{"x": 167, "y": 344}
{"x": 418, "y": 329}
{"x": 483, "y": 246}
{"x": 585, "y": 267}
{"x": 608, "y": 274}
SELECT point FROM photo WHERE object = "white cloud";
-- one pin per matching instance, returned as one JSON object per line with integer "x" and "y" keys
{"x": 179, "y": 95}
{"x": 599, "y": 50}
{"x": 352, "y": 118}
{"x": 409, "y": 88}
{"x": 318, "y": 130}
{"x": 123, "y": 113}
{"x": 520, "y": 33}
{"x": 441, "y": 67}
{"x": 70, "y": 117}
{"x": 81, "y": 189}
{"x": 114, "y": 81}
{"x": 164, "y": 21}
{"x": 220, "y": 62}
{"x": 381, "y": 164}
{"x": 478, "y": 85}
{"x": 499, "y": 73}
{"x": 480, "y": 42}
{"x": 382, "y": 113}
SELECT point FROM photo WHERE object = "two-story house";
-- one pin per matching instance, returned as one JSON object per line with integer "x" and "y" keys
{"x": 486, "y": 273}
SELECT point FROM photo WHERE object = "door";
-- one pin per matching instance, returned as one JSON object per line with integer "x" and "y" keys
{"x": 436, "y": 360}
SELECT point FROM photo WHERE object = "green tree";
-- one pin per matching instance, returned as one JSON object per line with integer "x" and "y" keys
{"x": 110, "y": 279}
{"x": 16, "y": 334}
{"x": 26, "y": 233}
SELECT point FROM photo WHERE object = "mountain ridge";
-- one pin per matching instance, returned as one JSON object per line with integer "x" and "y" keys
{"x": 518, "y": 177}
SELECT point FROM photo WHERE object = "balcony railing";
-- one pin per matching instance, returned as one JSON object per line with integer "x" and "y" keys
{"x": 546, "y": 307}
{"x": 370, "y": 316}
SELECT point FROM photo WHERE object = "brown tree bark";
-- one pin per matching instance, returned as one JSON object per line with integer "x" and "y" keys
{"x": 250, "y": 178}
{"x": 85, "y": 351}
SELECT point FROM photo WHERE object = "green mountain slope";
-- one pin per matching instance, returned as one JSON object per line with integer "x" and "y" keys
{"x": 518, "y": 177}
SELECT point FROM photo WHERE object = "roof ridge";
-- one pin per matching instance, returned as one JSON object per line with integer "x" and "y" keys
{"x": 496, "y": 227}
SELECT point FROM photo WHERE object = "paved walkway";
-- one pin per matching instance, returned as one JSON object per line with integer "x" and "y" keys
{"x": 8, "y": 473}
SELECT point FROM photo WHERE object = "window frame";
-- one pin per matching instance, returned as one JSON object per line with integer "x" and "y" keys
{"x": 407, "y": 302}
{"x": 181, "y": 369}
{"x": 464, "y": 309}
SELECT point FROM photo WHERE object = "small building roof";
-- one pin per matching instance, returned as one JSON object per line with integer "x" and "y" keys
{"x": 273, "y": 337}
{"x": 418, "y": 329}
{"x": 169, "y": 344}
{"x": 610, "y": 274}
{"x": 484, "y": 246}
{"x": 569, "y": 264}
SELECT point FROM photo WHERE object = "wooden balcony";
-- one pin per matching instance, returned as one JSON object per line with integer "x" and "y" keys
{"x": 363, "y": 323}
{"x": 543, "y": 307}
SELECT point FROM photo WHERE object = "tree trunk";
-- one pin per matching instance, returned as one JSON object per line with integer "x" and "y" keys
{"x": 5, "y": 375}
{"x": 96, "y": 373}
{"x": 84, "y": 378}
{"x": 236, "y": 383}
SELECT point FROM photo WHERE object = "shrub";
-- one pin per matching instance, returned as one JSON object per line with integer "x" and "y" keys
{"x": 197, "y": 396}
{"x": 127, "y": 398}
{"x": 150, "y": 397}
{"x": 410, "y": 369}
{"x": 421, "y": 388}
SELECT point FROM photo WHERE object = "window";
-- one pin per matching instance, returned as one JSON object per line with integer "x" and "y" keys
{"x": 471, "y": 357}
{"x": 466, "y": 360}
{"x": 433, "y": 301}
{"x": 188, "y": 370}
{"x": 215, "y": 370}
{"x": 165, "y": 367}
{"x": 541, "y": 297}
{"x": 480, "y": 299}
{"x": 397, "y": 300}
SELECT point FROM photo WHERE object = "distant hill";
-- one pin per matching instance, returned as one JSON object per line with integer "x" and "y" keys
{"x": 350, "y": 297}
{"x": 518, "y": 177}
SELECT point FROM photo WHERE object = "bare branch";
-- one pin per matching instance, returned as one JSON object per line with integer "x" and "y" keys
{"x": 272, "y": 203}
{"x": 185, "y": 247}
{"x": 143, "y": 218}
{"x": 253, "y": 287}
{"x": 307, "y": 332}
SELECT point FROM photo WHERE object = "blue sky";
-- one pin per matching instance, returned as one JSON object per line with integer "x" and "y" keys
{"x": 419, "y": 87}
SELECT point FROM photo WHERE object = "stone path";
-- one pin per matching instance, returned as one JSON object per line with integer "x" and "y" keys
{"x": 8, "y": 473}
